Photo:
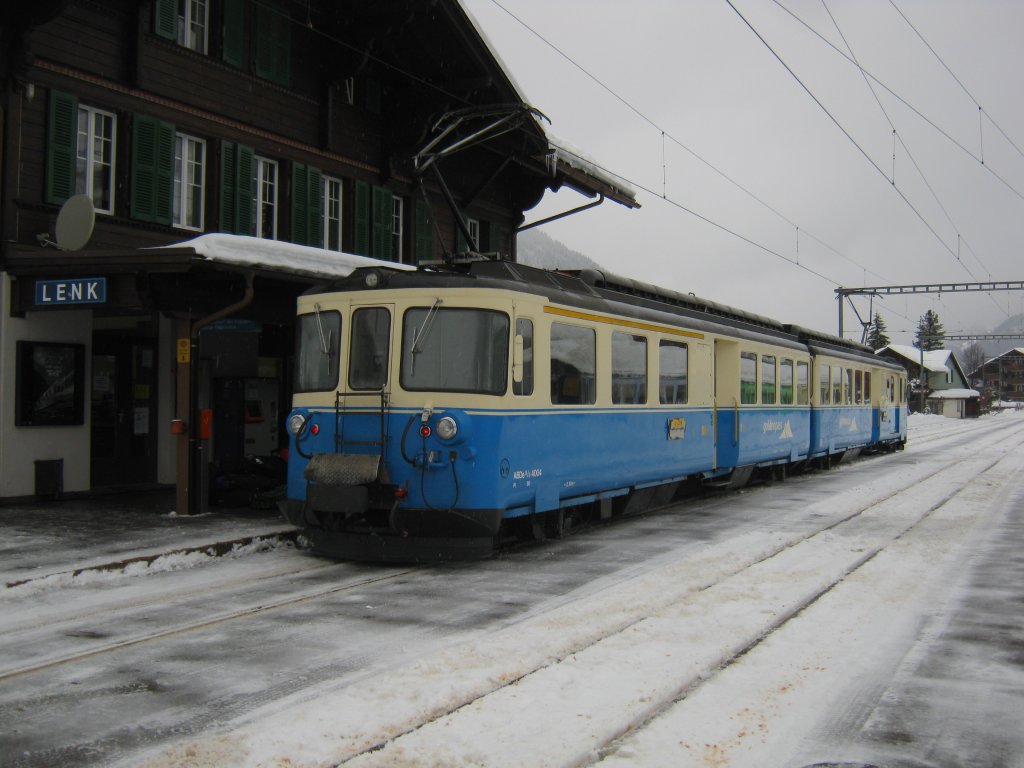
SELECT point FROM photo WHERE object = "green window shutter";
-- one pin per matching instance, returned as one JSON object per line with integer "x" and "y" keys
{"x": 461, "y": 244}
{"x": 362, "y": 218}
{"x": 61, "y": 147}
{"x": 315, "y": 185}
{"x": 273, "y": 43}
{"x": 383, "y": 210}
{"x": 236, "y": 188}
{"x": 234, "y": 32}
{"x": 495, "y": 237}
{"x": 244, "y": 186}
{"x": 165, "y": 139}
{"x": 307, "y": 205}
{"x": 152, "y": 174}
{"x": 424, "y": 234}
{"x": 300, "y": 204}
{"x": 228, "y": 191}
{"x": 165, "y": 18}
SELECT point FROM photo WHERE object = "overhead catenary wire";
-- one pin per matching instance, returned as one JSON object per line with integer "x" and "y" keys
{"x": 666, "y": 135}
{"x": 897, "y": 137}
{"x": 842, "y": 129}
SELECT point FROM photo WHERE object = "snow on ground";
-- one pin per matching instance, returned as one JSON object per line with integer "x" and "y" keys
{"x": 766, "y": 649}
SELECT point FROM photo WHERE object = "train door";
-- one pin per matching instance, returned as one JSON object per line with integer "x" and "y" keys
{"x": 726, "y": 403}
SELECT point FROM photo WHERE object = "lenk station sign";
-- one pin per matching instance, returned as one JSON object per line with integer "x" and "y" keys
{"x": 81, "y": 290}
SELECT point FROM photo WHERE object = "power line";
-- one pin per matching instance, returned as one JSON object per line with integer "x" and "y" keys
{"x": 667, "y": 135}
{"x": 981, "y": 110}
{"x": 909, "y": 154}
{"x": 907, "y": 104}
{"x": 842, "y": 129}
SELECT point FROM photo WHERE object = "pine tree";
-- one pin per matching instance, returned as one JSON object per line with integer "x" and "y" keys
{"x": 876, "y": 333}
{"x": 930, "y": 333}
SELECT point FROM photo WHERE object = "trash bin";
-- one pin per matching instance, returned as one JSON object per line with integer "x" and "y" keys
{"x": 50, "y": 478}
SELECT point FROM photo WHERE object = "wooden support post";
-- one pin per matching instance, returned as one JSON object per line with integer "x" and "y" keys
{"x": 184, "y": 415}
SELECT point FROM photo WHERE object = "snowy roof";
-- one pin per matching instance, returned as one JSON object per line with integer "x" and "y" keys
{"x": 278, "y": 256}
{"x": 937, "y": 360}
{"x": 954, "y": 394}
{"x": 566, "y": 153}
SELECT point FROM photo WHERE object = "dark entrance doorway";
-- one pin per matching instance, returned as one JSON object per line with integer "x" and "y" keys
{"x": 123, "y": 407}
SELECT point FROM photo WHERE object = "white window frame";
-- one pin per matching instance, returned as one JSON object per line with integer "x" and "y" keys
{"x": 333, "y": 212}
{"x": 264, "y": 201}
{"x": 194, "y": 24}
{"x": 474, "y": 234}
{"x": 91, "y": 166}
{"x": 186, "y": 167}
{"x": 397, "y": 227}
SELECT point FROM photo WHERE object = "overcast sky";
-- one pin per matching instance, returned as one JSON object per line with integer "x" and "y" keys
{"x": 801, "y": 189}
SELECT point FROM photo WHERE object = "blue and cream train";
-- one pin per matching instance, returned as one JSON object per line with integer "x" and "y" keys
{"x": 436, "y": 410}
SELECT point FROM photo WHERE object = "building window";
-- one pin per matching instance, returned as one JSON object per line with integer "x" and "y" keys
{"x": 189, "y": 175}
{"x": 332, "y": 213}
{"x": 193, "y": 21}
{"x": 397, "y": 216}
{"x": 265, "y": 198}
{"x": 94, "y": 168}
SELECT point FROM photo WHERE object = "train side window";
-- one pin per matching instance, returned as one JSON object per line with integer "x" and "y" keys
{"x": 573, "y": 364}
{"x": 369, "y": 349}
{"x": 318, "y": 337}
{"x": 629, "y": 368}
{"x": 858, "y": 387}
{"x": 803, "y": 389}
{"x": 824, "y": 387}
{"x": 837, "y": 385}
{"x": 524, "y": 328}
{"x": 768, "y": 379}
{"x": 674, "y": 372}
{"x": 786, "y": 382}
{"x": 848, "y": 385}
{"x": 867, "y": 387}
{"x": 748, "y": 378}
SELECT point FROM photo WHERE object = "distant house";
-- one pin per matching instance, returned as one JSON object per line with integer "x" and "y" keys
{"x": 1002, "y": 377}
{"x": 946, "y": 389}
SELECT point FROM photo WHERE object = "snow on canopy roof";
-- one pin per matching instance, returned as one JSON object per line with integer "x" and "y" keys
{"x": 279, "y": 256}
{"x": 935, "y": 360}
{"x": 574, "y": 157}
{"x": 953, "y": 394}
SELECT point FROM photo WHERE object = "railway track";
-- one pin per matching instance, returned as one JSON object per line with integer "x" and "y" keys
{"x": 740, "y": 591}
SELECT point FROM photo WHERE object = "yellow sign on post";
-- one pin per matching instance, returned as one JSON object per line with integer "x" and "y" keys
{"x": 184, "y": 350}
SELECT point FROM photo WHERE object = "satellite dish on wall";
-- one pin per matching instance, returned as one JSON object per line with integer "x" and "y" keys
{"x": 75, "y": 222}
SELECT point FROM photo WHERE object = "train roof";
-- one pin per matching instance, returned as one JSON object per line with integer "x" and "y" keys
{"x": 585, "y": 287}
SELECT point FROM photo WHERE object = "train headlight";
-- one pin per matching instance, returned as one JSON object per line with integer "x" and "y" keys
{"x": 447, "y": 428}
{"x": 295, "y": 423}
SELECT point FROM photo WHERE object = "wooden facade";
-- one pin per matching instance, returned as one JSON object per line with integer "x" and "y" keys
{"x": 288, "y": 120}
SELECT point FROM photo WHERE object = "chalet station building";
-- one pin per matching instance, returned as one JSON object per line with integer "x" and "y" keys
{"x": 174, "y": 173}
